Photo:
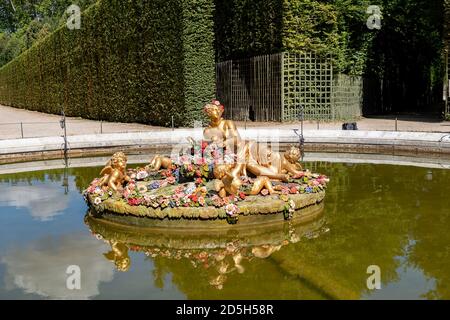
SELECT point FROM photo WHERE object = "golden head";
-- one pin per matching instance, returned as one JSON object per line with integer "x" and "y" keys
{"x": 220, "y": 170}
{"x": 232, "y": 184}
{"x": 214, "y": 110}
{"x": 119, "y": 161}
{"x": 293, "y": 154}
{"x": 123, "y": 264}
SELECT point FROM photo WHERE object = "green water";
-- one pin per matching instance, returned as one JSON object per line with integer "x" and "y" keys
{"x": 395, "y": 217}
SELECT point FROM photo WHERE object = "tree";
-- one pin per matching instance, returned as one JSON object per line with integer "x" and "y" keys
{"x": 23, "y": 22}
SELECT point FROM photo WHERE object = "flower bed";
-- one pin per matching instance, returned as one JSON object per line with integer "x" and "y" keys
{"x": 187, "y": 190}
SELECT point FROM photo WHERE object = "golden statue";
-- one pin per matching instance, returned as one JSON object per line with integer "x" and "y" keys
{"x": 222, "y": 132}
{"x": 159, "y": 162}
{"x": 291, "y": 160}
{"x": 114, "y": 173}
{"x": 253, "y": 157}
{"x": 228, "y": 181}
{"x": 119, "y": 255}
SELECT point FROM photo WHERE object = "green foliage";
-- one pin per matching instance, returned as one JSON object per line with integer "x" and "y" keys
{"x": 336, "y": 28}
{"x": 132, "y": 61}
{"x": 246, "y": 27}
{"x": 404, "y": 56}
{"x": 198, "y": 47}
{"x": 407, "y": 55}
{"x": 26, "y": 22}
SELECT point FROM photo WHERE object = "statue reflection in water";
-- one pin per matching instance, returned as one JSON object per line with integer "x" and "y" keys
{"x": 216, "y": 257}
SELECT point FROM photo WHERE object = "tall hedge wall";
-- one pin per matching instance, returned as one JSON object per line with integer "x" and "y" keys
{"x": 328, "y": 27}
{"x": 131, "y": 61}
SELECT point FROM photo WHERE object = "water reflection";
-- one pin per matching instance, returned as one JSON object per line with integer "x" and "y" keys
{"x": 40, "y": 268}
{"x": 43, "y": 202}
{"x": 217, "y": 257}
{"x": 392, "y": 216}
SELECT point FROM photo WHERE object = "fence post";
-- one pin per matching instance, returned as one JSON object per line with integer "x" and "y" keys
{"x": 173, "y": 127}
{"x": 101, "y": 126}
{"x": 21, "y": 129}
{"x": 396, "y": 123}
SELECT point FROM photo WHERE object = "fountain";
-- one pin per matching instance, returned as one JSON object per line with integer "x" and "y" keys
{"x": 222, "y": 178}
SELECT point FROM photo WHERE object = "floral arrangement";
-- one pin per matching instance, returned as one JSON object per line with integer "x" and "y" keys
{"x": 185, "y": 184}
{"x": 214, "y": 102}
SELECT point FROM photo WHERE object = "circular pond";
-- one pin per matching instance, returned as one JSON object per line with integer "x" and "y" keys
{"x": 389, "y": 216}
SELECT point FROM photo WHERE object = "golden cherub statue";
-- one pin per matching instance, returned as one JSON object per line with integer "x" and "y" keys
{"x": 119, "y": 255}
{"x": 114, "y": 173}
{"x": 290, "y": 162}
{"x": 159, "y": 162}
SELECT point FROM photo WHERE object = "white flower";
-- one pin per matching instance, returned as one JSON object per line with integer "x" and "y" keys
{"x": 97, "y": 201}
{"x": 141, "y": 175}
{"x": 190, "y": 188}
{"x": 99, "y": 236}
{"x": 292, "y": 204}
{"x": 229, "y": 158}
{"x": 231, "y": 209}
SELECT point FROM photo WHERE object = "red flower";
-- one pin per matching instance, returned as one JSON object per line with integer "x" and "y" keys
{"x": 134, "y": 201}
{"x": 167, "y": 173}
{"x": 293, "y": 190}
{"x": 198, "y": 173}
{"x": 242, "y": 195}
{"x": 194, "y": 198}
{"x": 199, "y": 181}
{"x": 204, "y": 145}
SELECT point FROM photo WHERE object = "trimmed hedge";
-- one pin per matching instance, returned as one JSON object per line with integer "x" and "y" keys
{"x": 335, "y": 28}
{"x": 131, "y": 61}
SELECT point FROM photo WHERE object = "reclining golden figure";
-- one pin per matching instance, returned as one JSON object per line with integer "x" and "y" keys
{"x": 253, "y": 157}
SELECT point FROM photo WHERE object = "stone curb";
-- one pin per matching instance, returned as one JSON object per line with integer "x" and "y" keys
{"x": 408, "y": 140}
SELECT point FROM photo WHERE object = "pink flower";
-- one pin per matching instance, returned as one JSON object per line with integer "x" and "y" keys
{"x": 299, "y": 175}
{"x": 264, "y": 192}
{"x": 171, "y": 180}
{"x": 201, "y": 201}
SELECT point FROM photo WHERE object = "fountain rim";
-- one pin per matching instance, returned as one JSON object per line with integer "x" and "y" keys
{"x": 329, "y": 157}
{"x": 374, "y": 142}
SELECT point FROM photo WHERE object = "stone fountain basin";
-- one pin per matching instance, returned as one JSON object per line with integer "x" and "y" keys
{"x": 255, "y": 211}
